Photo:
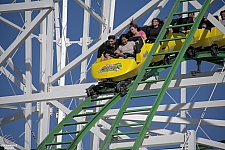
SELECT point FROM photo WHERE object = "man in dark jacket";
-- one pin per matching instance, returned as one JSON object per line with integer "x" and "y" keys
{"x": 108, "y": 48}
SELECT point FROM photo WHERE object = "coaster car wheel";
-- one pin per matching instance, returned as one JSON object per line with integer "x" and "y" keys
{"x": 123, "y": 91}
{"x": 214, "y": 49}
{"x": 121, "y": 88}
{"x": 191, "y": 52}
{"x": 91, "y": 91}
{"x": 166, "y": 60}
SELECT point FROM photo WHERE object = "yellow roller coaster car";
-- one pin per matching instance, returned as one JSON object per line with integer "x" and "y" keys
{"x": 118, "y": 69}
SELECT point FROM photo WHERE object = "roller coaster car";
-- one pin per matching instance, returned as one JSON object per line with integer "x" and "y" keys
{"x": 219, "y": 40}
{"x": 115, "y": 74}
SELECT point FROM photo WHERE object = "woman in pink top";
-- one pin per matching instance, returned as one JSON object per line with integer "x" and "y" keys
{"x": 136, "y": 31}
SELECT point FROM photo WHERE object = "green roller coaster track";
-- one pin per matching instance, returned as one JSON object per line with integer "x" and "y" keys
{"x": 159, "y": 96}
{"x": 90, "y": 103}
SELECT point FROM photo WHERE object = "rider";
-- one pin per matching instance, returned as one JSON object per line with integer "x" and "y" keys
{"x": 126, "y": 49}
{"x": 135, "y": 31}
{"x": 108, "y": 48}
{"x": 154, "y": 30}
{"x": 222, "y": 14}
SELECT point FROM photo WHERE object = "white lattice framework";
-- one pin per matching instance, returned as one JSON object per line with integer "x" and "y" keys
{"x": 54, "y": 92}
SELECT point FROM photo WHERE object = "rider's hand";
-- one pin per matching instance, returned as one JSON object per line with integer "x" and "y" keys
{"x": 107, "y": 55}
{"x": 118, "y": 52}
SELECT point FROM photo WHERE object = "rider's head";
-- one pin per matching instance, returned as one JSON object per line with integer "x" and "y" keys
{"x": 134, "y": 28}
{"x": 124, "y": 39}
{"x": 222, "y": 14}
{"x": 155, "y": 22}
{"x": 111, "y": 40}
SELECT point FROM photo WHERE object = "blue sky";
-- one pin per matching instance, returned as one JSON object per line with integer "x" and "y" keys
{"x": 124, "y": 9}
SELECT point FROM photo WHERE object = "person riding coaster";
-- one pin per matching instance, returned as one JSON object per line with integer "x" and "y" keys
{"x": 126, "y": 49}
{"x": 107, "y": 50}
